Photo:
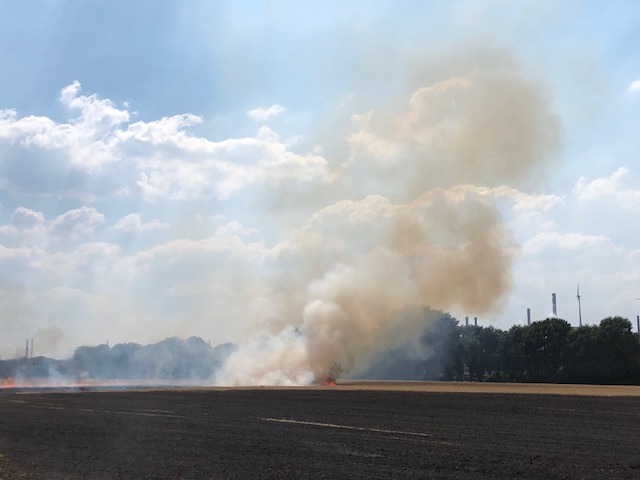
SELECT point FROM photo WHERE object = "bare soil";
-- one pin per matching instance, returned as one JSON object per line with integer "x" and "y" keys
{"x": 355, "y": 430}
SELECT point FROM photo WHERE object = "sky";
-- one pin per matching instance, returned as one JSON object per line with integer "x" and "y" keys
{"x": 295, "y": 171}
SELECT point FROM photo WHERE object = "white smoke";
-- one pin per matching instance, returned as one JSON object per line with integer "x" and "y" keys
{"x": 412, "y": 227}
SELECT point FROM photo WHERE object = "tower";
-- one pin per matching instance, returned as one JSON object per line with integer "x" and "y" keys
{"x": 553, "y": 305}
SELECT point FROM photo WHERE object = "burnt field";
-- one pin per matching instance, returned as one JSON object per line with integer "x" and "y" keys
{"x": 349, "y": 431}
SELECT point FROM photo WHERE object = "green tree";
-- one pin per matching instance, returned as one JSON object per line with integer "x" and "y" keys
{"x": 618, "y": 351}
{"x": 582, "y": 358}
{"x": 545, "y": 347}
{"x": 512, "y": 353}
{"x": 481, "y": 353}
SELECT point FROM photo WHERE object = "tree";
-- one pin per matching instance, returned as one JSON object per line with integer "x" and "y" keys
{"x": 512, "y": 353}
{"x": 480, "y": 352}
{"x": 545, "y": 348}
{"x": 582, "y": 359}
{"x": 618, "y": 351}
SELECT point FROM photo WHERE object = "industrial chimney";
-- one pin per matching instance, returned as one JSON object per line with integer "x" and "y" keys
{"x": 475, "y": 321}
{"x": 528, "y": 316}
{"x": 553, "y": 305}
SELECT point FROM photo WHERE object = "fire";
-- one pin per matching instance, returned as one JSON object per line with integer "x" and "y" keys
{"x": 8, "y": 382}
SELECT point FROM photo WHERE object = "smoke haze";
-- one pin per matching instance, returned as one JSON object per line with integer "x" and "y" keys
{"x": 416, "y": 227}
{"x": 301, "y": 255}
{"x": 286, "y": 178}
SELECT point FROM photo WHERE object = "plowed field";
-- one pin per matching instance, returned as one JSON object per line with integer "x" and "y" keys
{"x": 359, "y": 430}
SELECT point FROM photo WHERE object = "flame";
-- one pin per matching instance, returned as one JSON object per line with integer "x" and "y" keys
{"x": 8, "y": 382}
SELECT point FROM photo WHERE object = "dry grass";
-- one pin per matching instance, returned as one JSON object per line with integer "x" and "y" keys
{"x": 511, "y": 388}
{"x": 467, "y": 387}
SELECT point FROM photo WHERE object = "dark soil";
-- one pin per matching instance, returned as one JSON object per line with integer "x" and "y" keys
{"x": 323, "y": 433}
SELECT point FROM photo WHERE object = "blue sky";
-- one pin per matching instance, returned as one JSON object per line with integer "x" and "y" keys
{"x": 223, "y": 168}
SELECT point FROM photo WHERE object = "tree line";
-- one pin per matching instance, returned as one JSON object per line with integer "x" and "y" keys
{"x": 550, "y": 351}
{"x": 170, "y": 359}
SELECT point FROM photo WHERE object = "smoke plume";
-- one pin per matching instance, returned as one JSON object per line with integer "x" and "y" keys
{"x": 405, "y": 220}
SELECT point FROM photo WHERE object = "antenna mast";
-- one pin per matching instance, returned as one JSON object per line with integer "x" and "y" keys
{"x": 579, "y": 306}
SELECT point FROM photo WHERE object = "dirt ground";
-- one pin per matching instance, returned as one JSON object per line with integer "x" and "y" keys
{"x": 356, "y": 430}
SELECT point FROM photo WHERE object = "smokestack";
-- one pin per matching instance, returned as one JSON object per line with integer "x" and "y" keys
{"x": 553, "y": 305}
{"x": 638, "y": 323}
{"x": 26, "y": 350}
{"x": 475, "y": 321}
{"x": 31, "y": 347}
{"x": 528, "y": 316}
{"x": 466, "y": 321}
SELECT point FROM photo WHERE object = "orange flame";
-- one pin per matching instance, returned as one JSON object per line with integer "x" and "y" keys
{"x": 8, "y": 382}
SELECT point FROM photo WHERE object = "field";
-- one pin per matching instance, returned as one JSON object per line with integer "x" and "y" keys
{"x": 352, "y": 430}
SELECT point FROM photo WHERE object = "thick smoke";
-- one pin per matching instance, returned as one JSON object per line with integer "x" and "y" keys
{"x": 407, "y": 223}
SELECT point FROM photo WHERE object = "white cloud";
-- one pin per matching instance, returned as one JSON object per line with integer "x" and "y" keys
{"x": 612, "y": 187}
{"x": 264, "y": 114}
{"x": 634, "y": 86}
{"x": 13, "y": 253}
{"x": 84, "y": 139}
{"x": 133, "y": 223}
{"x": 76, "y": 223}
{"x": 634, "y": 256}
{"x": 24, "y": 221}
{"x": 166, "y": 131}
{"x": 568, "y": 241}
{"x": 96, "y": 115}
{"x": 221, "y": 169}
{"x": 100, "y": 153}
